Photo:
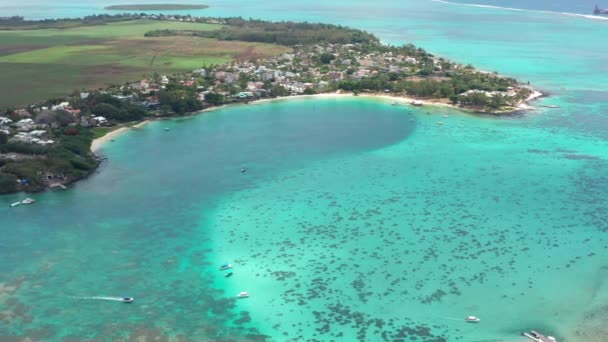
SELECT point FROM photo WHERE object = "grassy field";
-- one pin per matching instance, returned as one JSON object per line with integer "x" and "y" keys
{"x": 41, "y": 64}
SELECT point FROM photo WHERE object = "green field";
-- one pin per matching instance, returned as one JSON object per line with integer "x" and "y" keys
{"x": 41, "y": 64}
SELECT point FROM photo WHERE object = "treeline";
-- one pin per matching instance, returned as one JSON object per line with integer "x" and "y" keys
{"x": 452, "y": 88}
{"x": 110, "y": 107}
{"x": 19, "y": 23}
{"x": 282, "y": 33}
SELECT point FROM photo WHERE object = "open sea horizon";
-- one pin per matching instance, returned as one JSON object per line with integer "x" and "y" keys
{"x": 356, "y": 219}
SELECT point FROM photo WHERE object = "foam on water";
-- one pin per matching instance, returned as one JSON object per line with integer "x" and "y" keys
{"x": 588, "y": 16}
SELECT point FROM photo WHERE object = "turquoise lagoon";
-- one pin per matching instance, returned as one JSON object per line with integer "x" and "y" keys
{"x": 356, "y": 219}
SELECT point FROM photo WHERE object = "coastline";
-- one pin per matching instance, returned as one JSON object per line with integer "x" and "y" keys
{"x": 98, "y": 143}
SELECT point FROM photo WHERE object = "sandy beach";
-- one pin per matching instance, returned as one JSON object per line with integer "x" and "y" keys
{"x": 99, "y": 142}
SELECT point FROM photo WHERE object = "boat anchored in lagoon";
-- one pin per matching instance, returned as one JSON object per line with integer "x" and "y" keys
{"x": 472, "y": 319}
{"x": 538, "y": 337}
{"x": 243, "y": 295}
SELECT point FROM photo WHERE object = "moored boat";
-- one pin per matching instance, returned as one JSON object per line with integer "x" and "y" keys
{"x": 228, "y": 274}
{"x": 225, "y": 267}
{"x": 472, "y": 319}
{"x": 15, "y": 204}
{"x": 538, "y": 337}
{"x": 417, "y": 103}
{"x": 28, "y": 201}
{"x": 243, "y": 295}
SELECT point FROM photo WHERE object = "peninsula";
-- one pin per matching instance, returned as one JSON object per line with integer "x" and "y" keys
{"x": 47, "y": 144}
{"x": 155, "y": 7}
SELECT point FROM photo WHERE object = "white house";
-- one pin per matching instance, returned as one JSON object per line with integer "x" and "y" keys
{"x": 60, "y": 106}
{"x": 5, "y": 121}
{"x": 100, "y": 120}
{"x": 25, "y": 125}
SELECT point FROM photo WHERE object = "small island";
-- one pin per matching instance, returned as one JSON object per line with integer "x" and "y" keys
{"x": 155, "y": 7}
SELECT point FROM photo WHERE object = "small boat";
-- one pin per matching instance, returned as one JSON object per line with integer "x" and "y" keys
{"x": 417, "y": 103}
{"x": 167, "y": 129}
{"x": 538, "y": 337}
{"x": 395, "y": 104}
{"x": 28, "y": 201}
{"x": 472, "y": 319}
{"x": 228, "y": 274}
{"x": 128, "y": 299}
{"x": 243, "y": 295}
{"x": 440, "y": 123}
{"x": 445, "y": 116}
{"x": 15, "y": 204}
{"x": 243, "y": 170}
{"x": 225, "y": 267}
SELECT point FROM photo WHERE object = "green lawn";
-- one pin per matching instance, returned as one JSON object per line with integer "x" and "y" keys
{"x": 99, "y": 132}
{"x": 41, "y": 64}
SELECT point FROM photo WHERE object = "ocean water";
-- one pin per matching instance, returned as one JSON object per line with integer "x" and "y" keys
{"x": 356, "y": 220}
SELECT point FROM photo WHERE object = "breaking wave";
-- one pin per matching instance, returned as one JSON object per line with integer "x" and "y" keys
{"x": 588, "y": 16}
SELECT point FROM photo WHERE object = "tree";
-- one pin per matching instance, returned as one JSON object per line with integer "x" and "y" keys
{"x": 309, "y": 91}
{"x": 326, "y": 57}
{"x": 214, "y": 99}
{"x": 8, "y": 183}
{"x": 3, "y": 138}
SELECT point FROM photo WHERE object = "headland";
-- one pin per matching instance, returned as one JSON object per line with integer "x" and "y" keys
{"x": 54, "y": 138}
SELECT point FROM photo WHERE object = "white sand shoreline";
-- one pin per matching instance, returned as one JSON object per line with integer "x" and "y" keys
{"x": 402, "y": 100}
{"x": 98, "y": 143}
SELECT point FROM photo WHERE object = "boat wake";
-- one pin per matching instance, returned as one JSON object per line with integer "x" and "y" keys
{"x": 588, "y": 16}
{"x": 116, "y": 299}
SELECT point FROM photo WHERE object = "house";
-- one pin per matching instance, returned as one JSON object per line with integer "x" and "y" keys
{"x": 25, "y": 125}
{"x": 245, "y": 95}
{"x": 84, "y": 95}
{"x": 5, "y": 121}
{"x": 21, "y": 114}
{"x": 100, "y": 120}
{"x": 61, "y": 106}
{"x": 164, "y": 79}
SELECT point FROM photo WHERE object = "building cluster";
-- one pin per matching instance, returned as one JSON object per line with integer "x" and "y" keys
{"x": 306, "y": 69}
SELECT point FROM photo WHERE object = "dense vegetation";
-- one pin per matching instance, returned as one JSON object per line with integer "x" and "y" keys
{"x": 282, "y": 33}
{"x": 19, "y": 23}
{"x": 69, "y": 158}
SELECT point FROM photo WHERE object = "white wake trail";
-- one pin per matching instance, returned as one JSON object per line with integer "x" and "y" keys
{"x": 118, "y": 299}
{"x": 588, "y": 16}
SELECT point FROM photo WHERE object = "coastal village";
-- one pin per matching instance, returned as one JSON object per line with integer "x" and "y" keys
{"x": 308, "y": 71}
{"x": 406, "y": 72}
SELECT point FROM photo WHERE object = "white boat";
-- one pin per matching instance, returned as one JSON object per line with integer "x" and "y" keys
{"x": 243, "y": 295}
{"x": 418, "y": 103}
{"x": 28, "y": 201}
{"x": 225, "y": 267}
{"x": 472, "y": 319}
{"x": 128, "y": 299}
{"x": 15, "y": 204}
{"x": 538, "y": 337}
